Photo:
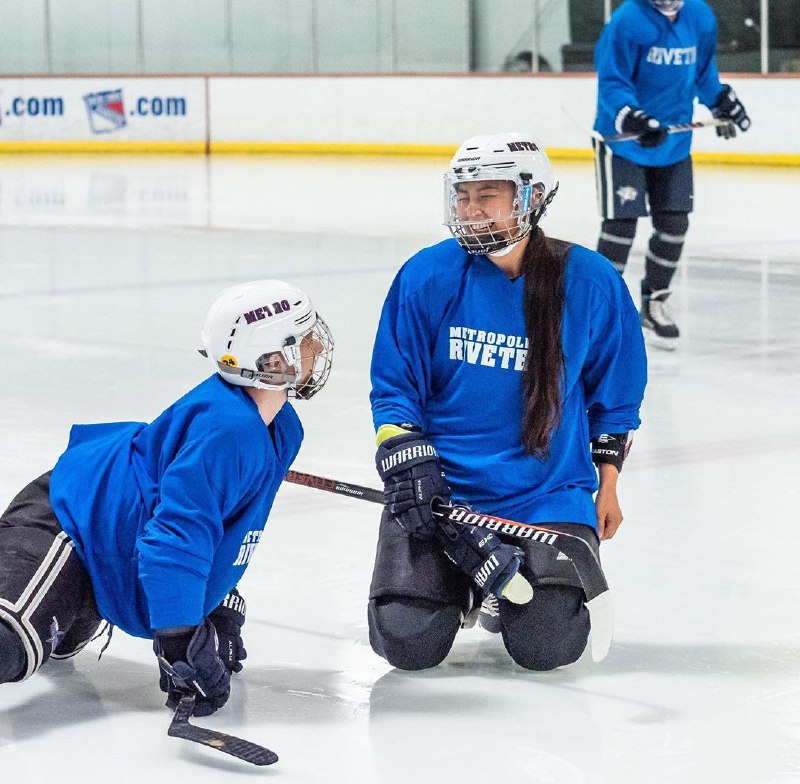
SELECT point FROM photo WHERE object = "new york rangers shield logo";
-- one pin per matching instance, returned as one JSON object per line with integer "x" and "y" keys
{"x": 106, "y": 111}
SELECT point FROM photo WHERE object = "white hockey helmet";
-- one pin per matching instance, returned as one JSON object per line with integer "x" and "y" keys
{"x": 511, "y": 157}
{"x": 266, "y": 334}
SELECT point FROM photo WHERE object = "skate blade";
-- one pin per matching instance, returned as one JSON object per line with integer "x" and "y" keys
{"x": 471, "y": 618}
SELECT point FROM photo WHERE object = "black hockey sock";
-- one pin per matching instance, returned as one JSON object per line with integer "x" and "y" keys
{"x": 664, "y": 249}
{"x": 616, "y": 238}
{"x": 12, "y": 655}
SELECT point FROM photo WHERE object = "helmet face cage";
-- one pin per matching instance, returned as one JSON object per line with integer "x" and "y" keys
{"x": 485, "y": 236}
{"x": 321, "y": 366}
{"x": 282, "y": 369}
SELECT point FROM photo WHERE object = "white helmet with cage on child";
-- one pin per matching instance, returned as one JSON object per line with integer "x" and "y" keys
{"x": 266, "y": 334}
{"x": 503, "y": 157}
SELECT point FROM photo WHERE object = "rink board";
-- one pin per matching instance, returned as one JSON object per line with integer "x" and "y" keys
{"x": 364, "y": 115}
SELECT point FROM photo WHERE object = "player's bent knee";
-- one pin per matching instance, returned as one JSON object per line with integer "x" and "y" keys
{"x": 412, "y": 634}
{"x": 551, "y": 632}
{"x": 12, "y": 655}
{"x": 546, "y": 655}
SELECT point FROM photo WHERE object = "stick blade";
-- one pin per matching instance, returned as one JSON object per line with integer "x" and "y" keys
{"x": 236, "y": 747}
{"x": 601, "y": 618}
{"x": 229, "y": 744}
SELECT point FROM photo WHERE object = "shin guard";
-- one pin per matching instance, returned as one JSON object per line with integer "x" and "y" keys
{"x": 665, "y": 248}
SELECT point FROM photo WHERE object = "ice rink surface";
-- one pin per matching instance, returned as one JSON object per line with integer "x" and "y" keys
{"x": 108, "y": 265}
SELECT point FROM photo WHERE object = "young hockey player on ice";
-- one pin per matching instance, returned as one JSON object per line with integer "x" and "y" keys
{"x": 151, "y": 526}
{"x": 504, "y": 363}
{"x": 653, "y": 59}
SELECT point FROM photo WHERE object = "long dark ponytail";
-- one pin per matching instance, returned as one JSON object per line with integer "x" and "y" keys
{"x": 543, "y": 265}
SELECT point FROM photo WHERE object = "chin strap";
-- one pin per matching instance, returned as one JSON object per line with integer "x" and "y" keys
{"x": 498, "y": 254}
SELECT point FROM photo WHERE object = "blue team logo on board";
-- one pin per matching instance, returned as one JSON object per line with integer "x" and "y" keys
{"x": 106, "y": 111}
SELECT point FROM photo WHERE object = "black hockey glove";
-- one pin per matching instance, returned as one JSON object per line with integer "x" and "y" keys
{"x": 729, "y": 107}
{"x": 228, "y": 620}
{"x": 651, "y": 132}
{"x": 190, "y": 664}
{"x": 479, "y": 553}
{"x": 412, "y": 478}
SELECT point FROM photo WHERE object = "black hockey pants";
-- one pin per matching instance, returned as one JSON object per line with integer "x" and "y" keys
{"x": 418, "y": 600}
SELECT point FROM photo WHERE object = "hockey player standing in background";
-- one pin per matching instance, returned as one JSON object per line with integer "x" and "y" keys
{"x": 500, "y": 355}
{"x": 653, "y": 59}
{"x": 151, "y": 527}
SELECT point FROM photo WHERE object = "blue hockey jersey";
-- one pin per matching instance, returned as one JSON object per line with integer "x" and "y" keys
{"x": 647, "y": 61}
{"x": 165, "y": 516}
{"x": 448, "y": 357}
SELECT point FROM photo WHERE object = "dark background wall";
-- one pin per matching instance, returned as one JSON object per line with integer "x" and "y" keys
{"x": 738, "y": 43}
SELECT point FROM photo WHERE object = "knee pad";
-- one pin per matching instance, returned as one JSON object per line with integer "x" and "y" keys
{"x": 621, "y": 230}
{"x": 671, "y": 227}
{"x": 79, "y": 635}
{"x": 12, "y": 655}
{"x": 664, "y": 249}
{"x": 412, "y": 634}
{"x": 43, "y": 586}
{"x": 550, "y": 631}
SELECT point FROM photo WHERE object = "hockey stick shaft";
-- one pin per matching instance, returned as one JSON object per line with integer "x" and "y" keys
{"x": 332, "y": 486}
{"x": 229, "y": 744}
{"x": 376, "y": 496}
{"x": 573, "y": 547}
{"x": 680, "y": 128}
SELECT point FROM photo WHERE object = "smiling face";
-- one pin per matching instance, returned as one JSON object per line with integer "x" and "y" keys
{"x": 486, "y": 207}
{"x": 489, "y": 211}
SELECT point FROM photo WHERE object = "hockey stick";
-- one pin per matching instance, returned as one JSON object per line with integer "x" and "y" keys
{"x": 237, "y": 747}
{"x": 518, "y": 589}
{"x": 332, "y": 486}
{"x": 680, "y": 128}
{"x": 582, "y": 557}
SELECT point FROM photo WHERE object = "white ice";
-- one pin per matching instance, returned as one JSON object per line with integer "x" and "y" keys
{"x": 107, "y": 267}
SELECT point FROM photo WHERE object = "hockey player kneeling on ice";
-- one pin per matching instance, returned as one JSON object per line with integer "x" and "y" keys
{"x": 505, "y": 364}
{"x": 150, "y": 527}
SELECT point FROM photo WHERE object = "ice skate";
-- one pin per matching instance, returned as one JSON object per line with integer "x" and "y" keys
{"x": 489, "y": 617}
{"x": 658, "y": 325}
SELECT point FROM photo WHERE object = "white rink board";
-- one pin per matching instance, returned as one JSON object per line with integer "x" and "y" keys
{"x": 379, "y": 111}
{"x": 102, "y": 109}
{"x": 426, "y": 110}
